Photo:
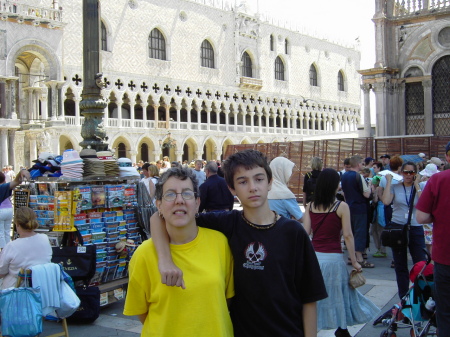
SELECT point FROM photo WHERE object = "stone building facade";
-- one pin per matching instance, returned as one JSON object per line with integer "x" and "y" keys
{"x": 183, "y": 78}
{"x": 411, "y": 76}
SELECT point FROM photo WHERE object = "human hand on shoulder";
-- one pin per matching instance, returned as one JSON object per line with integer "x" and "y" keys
{"x": 171, "y": 275}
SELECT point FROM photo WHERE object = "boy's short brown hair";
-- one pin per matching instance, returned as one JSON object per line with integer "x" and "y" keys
{"x": 249, "y": 159}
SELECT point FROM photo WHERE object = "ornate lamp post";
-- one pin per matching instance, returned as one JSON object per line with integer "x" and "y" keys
{"x": 92, "y": 105}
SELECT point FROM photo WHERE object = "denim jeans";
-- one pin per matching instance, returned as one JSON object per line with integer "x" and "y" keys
{"x": 359, "y": 229}
{"x": 442, "y": 298}
{"x": 6, "y": 216}
{"x": 416, "y": 245}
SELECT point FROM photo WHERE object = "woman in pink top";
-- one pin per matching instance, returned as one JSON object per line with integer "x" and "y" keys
{"x": 326, "y": 218}
{"x": 6, "y": 215}
{"x": 28, "y": 250}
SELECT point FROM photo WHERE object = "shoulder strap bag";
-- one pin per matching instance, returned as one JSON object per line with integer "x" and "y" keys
{"x": 396, "y": 235}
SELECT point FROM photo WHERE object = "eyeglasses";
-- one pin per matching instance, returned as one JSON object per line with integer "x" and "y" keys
{"x": 409, "y": 172}
{"x": 186, "y": 195}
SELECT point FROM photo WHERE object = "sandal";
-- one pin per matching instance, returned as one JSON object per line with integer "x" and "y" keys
{"x": 366, "y": 264}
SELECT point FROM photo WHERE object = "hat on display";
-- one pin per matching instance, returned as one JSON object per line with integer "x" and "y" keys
{"x": 126, "y": 168}
{"x": 429, "y": 170}
{"x": 72, "y": 164}
{"x": 385, "y": 156}
{"x": 436, "y": 161}
{"x": 421, "y": 155}
{"x": 71, "y": 157}
{"x": 93, "y": 167}
{"x": 110, "y": 164}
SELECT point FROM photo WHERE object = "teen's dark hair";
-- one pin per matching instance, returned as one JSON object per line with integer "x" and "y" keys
{"x": 379, "y": 165}
{"x": 326, "y": 186}
{"x": 2, "y": 178}
{"x": 248, "y": 159}
{"x": 410, "y": 163}
{"x": 146, "y": 166}
{"x": 181, "y": 173}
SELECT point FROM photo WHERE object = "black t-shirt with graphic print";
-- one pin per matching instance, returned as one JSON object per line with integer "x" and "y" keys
{"x": 275, "y": 272}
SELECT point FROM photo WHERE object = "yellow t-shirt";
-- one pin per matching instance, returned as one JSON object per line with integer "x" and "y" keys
{"x": 200, "y": 309}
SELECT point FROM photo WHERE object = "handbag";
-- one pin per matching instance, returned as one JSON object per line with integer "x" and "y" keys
{"x": 89, "y": 308}
{"x": 69, "y": 301}
{"x": 356, "y": 279}
{"x": 21, "y": 312}
{"x": 396, "y": 235}
{"x": 145, "y": 208}
{"x": 78, "y": 261}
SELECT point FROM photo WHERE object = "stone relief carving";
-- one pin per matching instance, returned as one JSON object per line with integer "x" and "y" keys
{"x": 44, "y": 141}
{"x": 247, "y": 26}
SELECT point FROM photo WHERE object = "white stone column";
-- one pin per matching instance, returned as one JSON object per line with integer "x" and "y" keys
{"x": 119, "y": 103}
{"x": 157, "y": 154}
{"x": 167, "y": 116}
{"x": 12, "y": 98}
{"x": 428, "y": 106}
{"x": 252, "y": 122}
{"x": 132, "y": 104}
{"x": 4, "y": 147}
{"x": 44, "y": 104}
{"x": 77, "y": 101}
{"x": 133, "y": 154}
{"x": 208, "y": 116}
{"x": 267, "y": 115}
{"x": 179, "y": 155}
{"x": 33, "y": 147}
{"x": 367, "y": 125}
{"x": 178, "y": 117}
{"x": 379, "y": 90}
{"x": 155, "y": 112}
{"x": 227, "y": 118}
{"x": 259, "y": 122}
{"x": 144, "y": 114}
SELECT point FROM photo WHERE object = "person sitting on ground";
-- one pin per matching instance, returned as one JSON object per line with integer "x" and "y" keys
{"x": 268, "y": 250}
{"x": 28, "y": 250}
{"x": 281, "y": 198}
{"x": 200, "y": 309}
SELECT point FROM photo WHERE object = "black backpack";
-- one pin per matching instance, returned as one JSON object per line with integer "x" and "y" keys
{"x": 310, "y": 186}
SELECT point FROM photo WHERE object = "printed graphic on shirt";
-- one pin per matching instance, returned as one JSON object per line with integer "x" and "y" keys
{"x": 255, "y": 253}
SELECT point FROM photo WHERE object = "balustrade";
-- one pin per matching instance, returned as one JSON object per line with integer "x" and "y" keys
{"x": 416, "y": 7}
{"x": 12, "y": 8}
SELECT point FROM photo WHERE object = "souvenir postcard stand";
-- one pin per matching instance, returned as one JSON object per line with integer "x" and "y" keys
{"x": 103, "y": 212}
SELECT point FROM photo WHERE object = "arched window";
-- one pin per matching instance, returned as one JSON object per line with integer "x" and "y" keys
{"x": 104, "y": 37}
{"x": 157, "y": 45}
{"x": 207, "y": 54}
{"x": 313, "y": 75}
{"x": 279, "y": 69}
{"x": 440, "y": 75}
{"x": 340, "y": 81}
{"x": 271, "y": 42}
{"x": 286, "y": 46}
{"x": 122, "y": 150}
{"x": 144, "y": 152}
{"x": 246, "y": 65}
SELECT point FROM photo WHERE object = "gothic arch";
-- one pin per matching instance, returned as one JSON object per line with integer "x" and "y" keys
{"x": 40, "y": 49}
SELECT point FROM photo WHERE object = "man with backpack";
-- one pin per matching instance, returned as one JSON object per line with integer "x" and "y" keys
{"x": 309, "y": 184}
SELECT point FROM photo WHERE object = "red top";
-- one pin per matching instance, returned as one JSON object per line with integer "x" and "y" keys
{"x": 326, "y": 238}
{"x": 435, "y": 200}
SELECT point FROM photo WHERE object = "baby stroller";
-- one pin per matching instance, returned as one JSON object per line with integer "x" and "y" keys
{"x": 413, "y": 311}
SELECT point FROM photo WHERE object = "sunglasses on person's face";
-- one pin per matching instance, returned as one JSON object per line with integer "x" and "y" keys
{"x": 408, "y": 173}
